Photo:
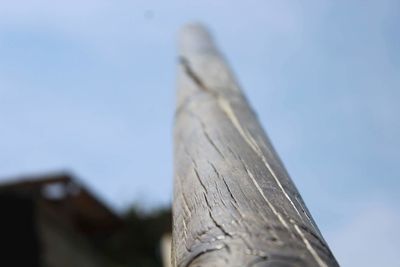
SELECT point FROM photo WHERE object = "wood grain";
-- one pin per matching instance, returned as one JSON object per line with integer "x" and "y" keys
{"x": 234, "y": 202}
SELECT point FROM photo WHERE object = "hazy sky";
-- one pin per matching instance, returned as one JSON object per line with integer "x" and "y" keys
{"x": 88, "y": 86}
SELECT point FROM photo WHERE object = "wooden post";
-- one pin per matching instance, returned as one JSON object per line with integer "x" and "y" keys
{"x": 234, "y": 202}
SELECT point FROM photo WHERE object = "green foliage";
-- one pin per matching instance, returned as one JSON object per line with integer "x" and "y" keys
{"x": 137, "y": 244}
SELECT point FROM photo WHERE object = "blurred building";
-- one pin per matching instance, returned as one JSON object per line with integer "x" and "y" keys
{"x": 53, "y": 221}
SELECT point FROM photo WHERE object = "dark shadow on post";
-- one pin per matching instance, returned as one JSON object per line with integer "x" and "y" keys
{"x": 234, "y": 202}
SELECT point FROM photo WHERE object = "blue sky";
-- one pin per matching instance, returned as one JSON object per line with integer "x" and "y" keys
{"x": 89, "y": 86}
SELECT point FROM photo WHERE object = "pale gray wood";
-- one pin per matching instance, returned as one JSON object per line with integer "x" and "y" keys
{"x": 234, "y": 202}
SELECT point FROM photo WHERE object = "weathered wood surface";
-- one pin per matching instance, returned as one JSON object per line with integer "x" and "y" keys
{"x": 234, "y": 202}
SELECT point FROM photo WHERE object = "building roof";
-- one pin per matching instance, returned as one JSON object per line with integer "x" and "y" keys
{"x": 67, "y": 198}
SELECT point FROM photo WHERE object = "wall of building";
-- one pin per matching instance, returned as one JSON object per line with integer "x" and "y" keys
{"x": 61, "y": 246}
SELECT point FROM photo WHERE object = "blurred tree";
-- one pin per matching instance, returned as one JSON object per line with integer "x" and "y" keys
{"x": 137, "y": 244}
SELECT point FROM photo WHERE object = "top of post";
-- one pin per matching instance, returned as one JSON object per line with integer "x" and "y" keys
{"x": 194, "y": 38}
